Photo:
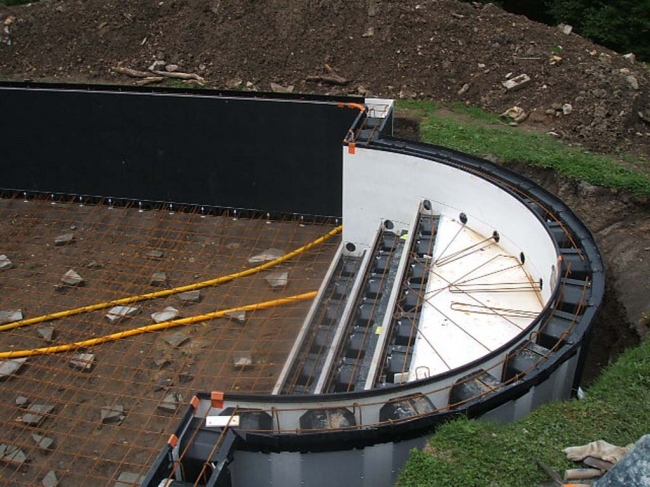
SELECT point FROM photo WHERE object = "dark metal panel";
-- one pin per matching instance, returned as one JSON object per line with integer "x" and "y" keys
{"x": 276, "y": 156}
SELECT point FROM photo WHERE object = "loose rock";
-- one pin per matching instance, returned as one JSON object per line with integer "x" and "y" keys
{"x": 10, "y": 367}
{"x": 5, "y": 263}
{"x": 65, "y": 239}
{"x": 128, "y": 479}
{"x": 278, "y": 279}
{"x": 158, "y": 279}
{"x": 43, "y": 442}
{"x": 21, "y": 401}
{"x": 168, "y": 314}
{"x": 516, "y": 83}
{"x": 170, "y": 403}
{"x": 632, "y": 82}
{"x": 50, "y": 479}
{"x": 567, "y": 109}
{"x": 12, "y": 454}
{"x": 190, "y": 296}
{"x": 176, "y": 340}
{"x": 243, "y": 360}
{"x": 239, "y": 316}
{"x": 112, "y": 414}
{"x": 154, "y": 255}
{"x": 11, "y": 315}
{"x": 46, "y": 333}
{"x": 71, "y": 278}
{"x": 118, "y": 313}
{"x": 566, "y": 29}
{"x": 83, "y": 361}
{"x": 266, "y": 256}
{"x": 276, "y": 88}
{"x": 630, "y": 58}
{"x": 36, "y": 413}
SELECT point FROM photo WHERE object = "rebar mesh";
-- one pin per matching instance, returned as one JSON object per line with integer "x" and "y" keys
{"x": 142, "y": 382}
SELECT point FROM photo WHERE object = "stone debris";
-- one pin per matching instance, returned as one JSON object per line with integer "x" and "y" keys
{"x": 43, "y": 442}
{"x": 167, "y": 314}
{"x": 36, "y": 413}
{"x": 47, "y": 333}
{"x": 185, "y": 378}
{"x": 276, "y": 88}
{"x": 278, "y": 279}
{"x": 566, "y": 29}
{"x": 83, "y": 361}
{"x": 161, "y": 362}
{"x": 93, "y": 264}
{"x": 21, "y": 401}
{"x": 517, "y": 114}
{"x": 266, "y": 256}
{"x": 128, "y": 479}
{"x": 12, "y": 454}
{"x": 234, "y": 84}
{"x": 11, "y": 315}
{"x": 567, "y": 109}
{"x": 170, "y": 403}
{"x": 463, "y": 89}
{"x": 50, "y": 479}
{"x": 71, "y": 278}
{"x": 238, "y": 316}
{"x": 233, "y": 246}
{"x": 154, "y": 254}
{"x": 10, "y": 367}
{"x": 632, "y": 82}
{"x": 516, "y": 83}
{"x": 112, "y": 414}
{"x": 243, "y": 360}
{"x": 5, "y": 263}
{"x": 65, "y": 239}
{"x": 158, "y": 279}
{"x": 190, "y": 296}
{"x": 177, "y": 339}
{"x": 162, "y": 384}
{"x": 118, "y": 313}
{"x": 630, "y": 57}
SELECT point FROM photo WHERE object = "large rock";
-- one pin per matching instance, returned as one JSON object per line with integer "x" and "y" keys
{"x": 633, "y": 470}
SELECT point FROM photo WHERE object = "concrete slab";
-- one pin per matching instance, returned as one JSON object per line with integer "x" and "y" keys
{"x": 36, "y": 414}
{"x": 10, "y": 367}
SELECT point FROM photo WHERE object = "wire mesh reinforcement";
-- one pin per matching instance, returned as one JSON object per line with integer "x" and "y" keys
{"x": 110, "y": 414}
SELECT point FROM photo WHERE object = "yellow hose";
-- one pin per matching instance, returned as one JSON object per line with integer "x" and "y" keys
{"x": 155, "y": 327}
{"x": 168, "y": 292}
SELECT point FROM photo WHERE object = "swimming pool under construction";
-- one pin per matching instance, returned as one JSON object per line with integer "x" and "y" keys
{"x": 280, "y": 290}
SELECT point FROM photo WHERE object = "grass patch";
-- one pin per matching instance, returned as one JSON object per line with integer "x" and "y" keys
{"x": 476, "y": 132}
{"x": 468, "y": 453}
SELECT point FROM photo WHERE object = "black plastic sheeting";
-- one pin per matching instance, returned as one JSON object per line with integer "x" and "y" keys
{"x": 280, "y": 156}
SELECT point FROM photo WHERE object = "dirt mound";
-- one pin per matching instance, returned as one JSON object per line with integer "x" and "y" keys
{"x": 437, "y": 49}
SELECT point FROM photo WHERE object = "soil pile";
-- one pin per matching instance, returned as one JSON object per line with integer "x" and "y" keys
{"x": 435, "y": 49}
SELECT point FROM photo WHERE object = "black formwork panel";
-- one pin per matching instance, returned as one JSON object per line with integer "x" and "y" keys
{"x": 259, "y": 154}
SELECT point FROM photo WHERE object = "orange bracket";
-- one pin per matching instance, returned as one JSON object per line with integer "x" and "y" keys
{"x": 217, "y": 399}
{"x": 194, "y": 402}
{"x": 173, "y": 440}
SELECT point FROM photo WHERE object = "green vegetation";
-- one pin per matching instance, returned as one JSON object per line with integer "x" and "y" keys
{"x": 468, "y": 453}
{"x": 474, "y": 131}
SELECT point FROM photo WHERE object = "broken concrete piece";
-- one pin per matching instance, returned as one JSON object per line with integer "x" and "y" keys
{"x": 10, "y": 367}
{"x": 12, "y": 454}
{"x": 112, "y": 414}
{"x": 278, "y": 279}
{"x": 36, "y": 413}
{"x": 517, "y": 114}
{"x": 46, "y": 333}
{"x": 21, "y": 401}
{"x": 566, "y": 29}
{"x": 50, "y": 479}
{"x": 154, "y": 255}
{"x": 266, "y": 256}
{"x": 71, "y": 278}
{"x": 161, "y": 362}
{"x": 5, "y": 263}
{"x": 170, "y": 403}
{"x": 239, "y": 316}
{"x": 158, "y": 279}
{"x": 177, "y": 339}
{"x": 516, "y": 83}
{"x": 117, "y": 313}
{"x": 128, "y": 479}
{"x": 276, "y": 88}
{"x": 162, "y": 384}
{"x": 94, "y": 265}
{"x": 64, "y": 239}
{"x": 83, "y": 361}
{"x": 185, "y": 378}
{"x": 632, "y": 82}
{"x": 167, "y": 314}
{"x": 243, "y": 360}
{"x": 630, "y": 57}
{"x": 11, "y": 315}
{"x": 567, "y": 109}
{"x": 190, "y": 296}
{"x": 43, "y": 442}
